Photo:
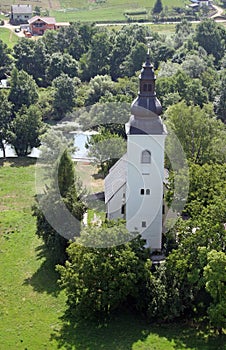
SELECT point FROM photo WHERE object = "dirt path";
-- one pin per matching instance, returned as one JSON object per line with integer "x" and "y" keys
{"x": 220, "y": 11}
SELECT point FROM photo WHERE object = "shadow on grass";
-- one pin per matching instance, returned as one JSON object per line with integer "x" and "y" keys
{"x": 126, "y": 331}
{"x": 45, "y": 278}
{"x": 119, "y": 333}
{"x": 18, "y": 161}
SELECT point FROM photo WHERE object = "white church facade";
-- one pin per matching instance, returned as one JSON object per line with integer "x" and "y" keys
{"x": 134, "y": 185}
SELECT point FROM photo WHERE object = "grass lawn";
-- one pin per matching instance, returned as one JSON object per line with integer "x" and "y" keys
{"x": 91, "y": 10}
{"x": 8, "y": 37}
{"x": 31, "y": 305}
{"x": 109, "y": 10}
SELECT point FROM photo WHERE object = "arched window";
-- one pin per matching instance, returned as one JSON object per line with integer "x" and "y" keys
{"x": 146, "y": 157}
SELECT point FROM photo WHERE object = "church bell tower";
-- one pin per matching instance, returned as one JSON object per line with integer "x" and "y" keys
{"x": 146, "y": 135}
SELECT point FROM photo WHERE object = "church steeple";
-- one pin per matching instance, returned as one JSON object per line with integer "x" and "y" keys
{"x": 146, "y": 108}
{"x": 147, "y": 78}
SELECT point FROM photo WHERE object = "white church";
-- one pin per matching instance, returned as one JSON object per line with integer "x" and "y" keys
{"x": 134, "y": 185}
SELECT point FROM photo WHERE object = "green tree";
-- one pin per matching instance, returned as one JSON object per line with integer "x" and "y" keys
{"x": 97, "y": 58}
{"x": 25, "y": 130}
{"x": 40, "y": 62}
{"x": 98, "y": 86}
{"x": 61, "y": 63}
{"x": 99, "y": 280}
{"x": 51, "y": 41}
{"x": 5, "y": 118}
{"x": 23, "y": 52}
{"x": 215, "y": 278}
{"x": 200, "y": 134}
{"x": 157, "y": 7}
{"x": 211, "y": 37}
{"x": 195, "y": 93}
{"x": 37, "y": 10}
{"x": 106, "y": 148}
{"x": 64, "y": 95}
{"x": 220, "y": 102}
{"x": 23, "y": 89}
{"x": 6, "y": 61}
{"x": 134, "y": 60}
{"x": 53, "y": 206}
{"x": 194, "y": 65}
{"x": 66, "y": 174}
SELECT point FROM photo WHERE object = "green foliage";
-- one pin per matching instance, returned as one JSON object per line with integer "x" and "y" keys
{"x": 96, "y": 61}
{"x": 206, "y": 184}
{"x": 5, "y": 59}
{"x": 211, "y": 37}
{"x": 221, "y": 99}
{"x": 66, "y": 174}
{"x": 62, "y": 197}
{"x": 157, "y": 7}
{"x": 200, "y": 134}
{"x": 5, "y": 118}
{"x": 61, "y": 63}
{"x": 134, "y": 60}
{"x": 98, "y": 86}
{"x": 99, "y": 280}
{"x": 23, "y": 89}
{"x": 215, "y": 277}
{"x": 25, "y": 130}
{"x": 106, "y": 148}
{"x": 64, "y": 95}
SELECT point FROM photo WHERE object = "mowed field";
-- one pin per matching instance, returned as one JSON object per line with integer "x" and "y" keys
{"x": 90, "y": 10}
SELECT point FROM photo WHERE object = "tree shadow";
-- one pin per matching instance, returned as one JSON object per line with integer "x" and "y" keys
{"x": 127, "y": 331}
{"x": 45, "y": 278}
{"x": 118, "y": 333}
{"x": 18, "y": 161}
{"x": 185, "y": 336}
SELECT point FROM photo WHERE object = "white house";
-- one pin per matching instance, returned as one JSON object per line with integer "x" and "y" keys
{"x": 134, "y": 185}
{"x": 199, "y": 3}
{"x": 20, "y": 13}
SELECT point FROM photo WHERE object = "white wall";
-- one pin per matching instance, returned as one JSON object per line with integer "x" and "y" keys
{"x": 145, "y": 208}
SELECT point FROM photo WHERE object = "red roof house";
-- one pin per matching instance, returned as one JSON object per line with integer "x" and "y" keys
{"x": 38, "y": 25}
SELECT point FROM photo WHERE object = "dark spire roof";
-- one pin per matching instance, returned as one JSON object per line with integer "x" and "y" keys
{"x": 147, "y": 71}
{"x": 146, "y": 108}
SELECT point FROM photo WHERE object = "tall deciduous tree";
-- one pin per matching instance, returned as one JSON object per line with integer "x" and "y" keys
{"x": 215, "y": 278}
{"x": 64, "y": 95}
{"x": 221, "y": 99}
{"x": 65, "y": 181}
{"x": 23, "y": 53}
{"x": 200, "y": 134}
{"x": 99, "y": 280}
{"x": 25, "y": 130}
{"x": 97, "y": 59}
{"x": 61, "y": 63}
{"x": 5, "y": 60}
{"x": 211, "y": 37}
{"x": 105, "y": 149}
{"x": 5, "y": 118}
{"x": 23, "y": 89}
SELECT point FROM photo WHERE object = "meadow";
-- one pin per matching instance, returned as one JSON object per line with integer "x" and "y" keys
{"x": 91, "y": 10}
{"x": 8, "y": 37}
{"x": 32, "y": 307}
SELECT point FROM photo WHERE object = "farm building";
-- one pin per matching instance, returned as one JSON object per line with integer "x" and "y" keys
{"x": 20, "y": 14}
{"x": 38, "y": 25}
